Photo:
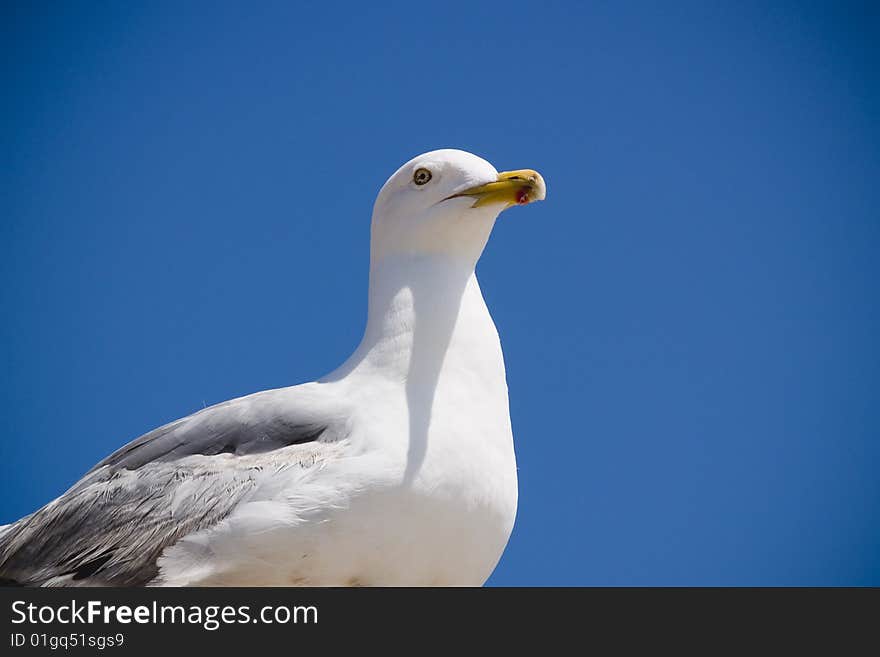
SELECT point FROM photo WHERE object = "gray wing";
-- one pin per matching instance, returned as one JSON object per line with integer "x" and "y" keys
{"x": 175, "y": 440}
{"x": 112, "y": 525}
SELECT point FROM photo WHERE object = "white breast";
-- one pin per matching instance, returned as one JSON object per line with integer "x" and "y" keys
{"x": 427, "y": 491}
{"x": 447, "y": 505}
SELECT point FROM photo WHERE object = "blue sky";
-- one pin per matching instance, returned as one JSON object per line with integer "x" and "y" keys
{"x": 689, "y": 321}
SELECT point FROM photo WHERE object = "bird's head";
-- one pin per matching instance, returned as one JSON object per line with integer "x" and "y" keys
{"x": 446, "y": 202}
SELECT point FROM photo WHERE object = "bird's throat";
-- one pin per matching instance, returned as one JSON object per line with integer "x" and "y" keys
{"x": 423, "y": 311}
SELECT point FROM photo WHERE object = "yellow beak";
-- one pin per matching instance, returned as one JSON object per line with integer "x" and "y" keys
{"x": 511, "y": 188}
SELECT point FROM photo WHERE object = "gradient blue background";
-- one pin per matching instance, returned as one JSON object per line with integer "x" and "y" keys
{"x": 690, "y": 321}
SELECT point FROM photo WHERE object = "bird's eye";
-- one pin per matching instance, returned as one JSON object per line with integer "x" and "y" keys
{"x": 421, "y": 176}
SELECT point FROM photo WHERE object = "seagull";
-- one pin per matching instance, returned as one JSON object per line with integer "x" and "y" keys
{"x": 396, "y": 469}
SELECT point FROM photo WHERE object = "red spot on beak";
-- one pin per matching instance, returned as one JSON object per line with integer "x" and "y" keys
{"x": 522, "y": 196}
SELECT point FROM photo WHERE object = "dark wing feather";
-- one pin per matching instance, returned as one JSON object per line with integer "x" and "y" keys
{"x": 113, "y": 524}
{"x": 111, "y": 527}
{"x": 176, "y": 440}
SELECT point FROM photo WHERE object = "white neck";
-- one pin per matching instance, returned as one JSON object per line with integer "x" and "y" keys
{"x": 430, "y": 343}
{"x": 422, "y": 307}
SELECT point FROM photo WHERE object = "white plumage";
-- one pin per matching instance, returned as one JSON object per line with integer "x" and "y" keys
{"x": 397, "y": 468}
